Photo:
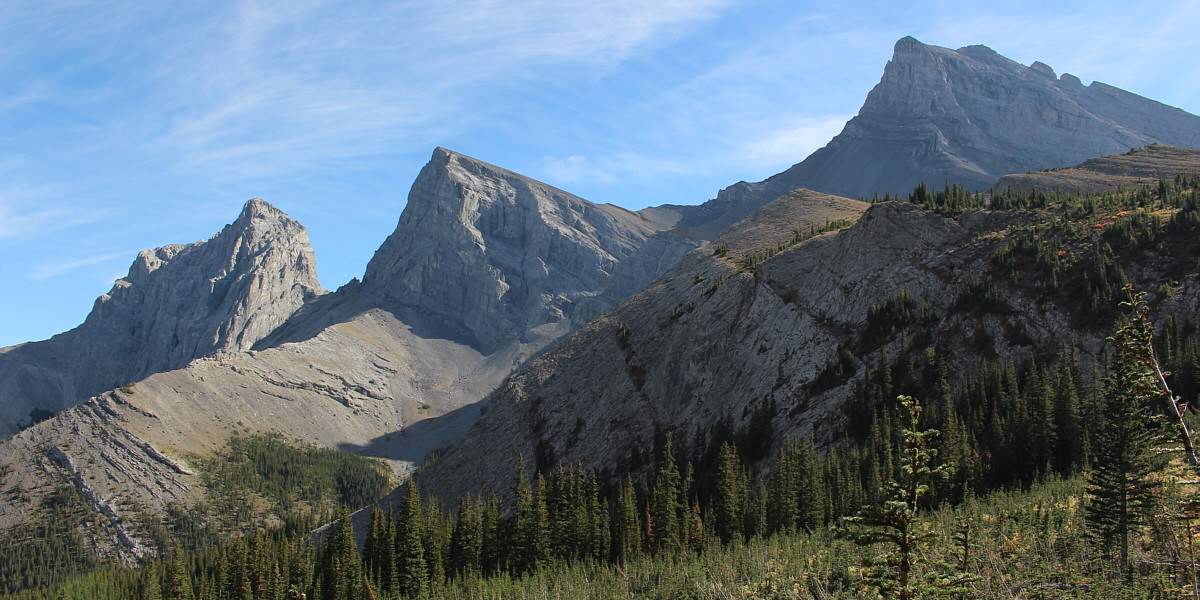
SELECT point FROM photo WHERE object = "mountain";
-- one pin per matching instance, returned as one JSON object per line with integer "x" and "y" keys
{"x": 506, "y": 257}
{"x": 486, "y": 268}
{"x": 786, "y": 347}
{"x": 970, "y": 116}
{"x": 178, "y": 303}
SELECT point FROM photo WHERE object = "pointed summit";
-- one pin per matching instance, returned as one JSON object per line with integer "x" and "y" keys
{"x": 177, "y": 303}
{"x": 970, "y": 116}
{"x": 489, "y": 255}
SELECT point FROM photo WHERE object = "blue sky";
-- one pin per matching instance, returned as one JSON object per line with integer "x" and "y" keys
{"x": 130, "y": 125}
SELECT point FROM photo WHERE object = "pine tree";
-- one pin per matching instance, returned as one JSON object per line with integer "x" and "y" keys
{"x": 894, "y": 523}
{"x": 784, "y": 500}
{"x": 625, "y": 526}
{"x": 812, "y": 494}
{"x": 466, "y": 541}
{"x": 1120, "y": 489}
{"x": 666, "y": 510}
{"x": 729, "y": 495}
{"x": 412, "y": 576}
{"x": 151, "y": 587}
{"x": 1073, "y": 443}
{"x": 342, "y": 576}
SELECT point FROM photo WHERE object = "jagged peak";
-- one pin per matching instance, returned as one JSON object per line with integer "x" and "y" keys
{"x": 259, "y": 207}
{"x": 906, "y": 44}
{"x": 1043, "y": 68}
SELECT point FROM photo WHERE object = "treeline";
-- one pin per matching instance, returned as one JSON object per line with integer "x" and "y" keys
{"x": 1007, "y": 425}
{"x": 256, "y": 480}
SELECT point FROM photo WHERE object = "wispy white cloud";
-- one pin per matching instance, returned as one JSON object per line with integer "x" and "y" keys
{"x": 789, "y": 143}
{"x": 47, "y": 269}
{"x": 25, "y": 214}
{"x": 249, "y": 96}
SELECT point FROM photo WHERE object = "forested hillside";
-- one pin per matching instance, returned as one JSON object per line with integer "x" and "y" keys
{"x": 1058, "y": 471}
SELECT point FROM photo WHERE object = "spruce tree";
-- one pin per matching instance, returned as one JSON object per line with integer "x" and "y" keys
{"x": 666, "y": 510}
{"x": 466, "y": 541}
{"x": 1120, "y": 489}
{"x": 412, "y": 577}
{"x": 729, "y": 495}
{"x": 625, "y": 525}
{"x": 812, "y": 494}
{"x": 894, "y": 523}
{"x": 784, "y": 500}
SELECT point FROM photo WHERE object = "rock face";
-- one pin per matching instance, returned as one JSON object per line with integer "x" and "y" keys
{"x": 177, "y": 303}
{"x": 710, "y": 343}
{"x": 486, "y": 268}
{"x": 493, "y": 256}
{"x": 970, "y": 116}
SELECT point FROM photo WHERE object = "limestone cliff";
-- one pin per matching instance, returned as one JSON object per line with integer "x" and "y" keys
{"x": 178, "y": 303}
{"x": 970, "y": 116}
{"x": 713, "y": 342}
{"x": 494, "y": 256}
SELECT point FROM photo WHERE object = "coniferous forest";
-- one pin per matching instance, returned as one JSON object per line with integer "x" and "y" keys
{"x": 1061, "y": 475}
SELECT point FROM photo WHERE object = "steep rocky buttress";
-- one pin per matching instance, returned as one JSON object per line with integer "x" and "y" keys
{"x": 178, "y": 303}
{"x": 970, "y": 116}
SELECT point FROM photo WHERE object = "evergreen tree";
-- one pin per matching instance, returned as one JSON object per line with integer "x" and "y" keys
{"x": 625, "y": 526}
{"x": 151, "y": 587}
{"x": 729, "y": 495}
{"x": 894, "y": 523}
{"x": 666, "y": 510}
{"x": 1120, "y": 489}
{"x": 466, "y": 541}
{"x": 784, "y": 500}
{"x": 412, "y": 576}
{"x": 812, "y": 494}
{"x": 343, "y": 575}
{"x": 1073, "y": 443}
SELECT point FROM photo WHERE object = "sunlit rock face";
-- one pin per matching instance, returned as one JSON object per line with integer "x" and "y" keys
{"x": 970, "y": 116}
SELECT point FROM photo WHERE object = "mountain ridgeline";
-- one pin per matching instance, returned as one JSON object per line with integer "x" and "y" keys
{"x": 968, "y": 117}
{"x": 505, "y": 318}
{"x": 178, "y": 303}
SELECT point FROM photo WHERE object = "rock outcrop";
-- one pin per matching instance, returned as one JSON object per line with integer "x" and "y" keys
{"x": 178, "y": 303}
{"x": 1138, "y": 167}
{"x": 970, "y": 116}
{"x": 492, "y": 256}
{"x": 711, "y": 343}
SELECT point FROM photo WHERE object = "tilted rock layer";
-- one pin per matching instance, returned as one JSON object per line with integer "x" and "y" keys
{"x": 970, "y": 116}
{"x": 178, "y": 303}
{"x": 486, "y": 268}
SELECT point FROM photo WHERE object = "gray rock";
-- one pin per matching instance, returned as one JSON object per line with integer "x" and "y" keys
{"x": 177, "y": 303}
{"x": 707, "y": 343}
{"x": 496, "y": 256}
{"x": 970, "y": 116}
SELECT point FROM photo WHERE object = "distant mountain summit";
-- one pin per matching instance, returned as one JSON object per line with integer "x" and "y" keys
{"x": 178, "y": 303}
{"x": 496, "y": 256}
{"x": 970, "y": 116}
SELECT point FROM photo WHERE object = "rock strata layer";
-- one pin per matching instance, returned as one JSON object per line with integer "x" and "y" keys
{"x": 177, "y": 303}
{"x": 970, "y": 116}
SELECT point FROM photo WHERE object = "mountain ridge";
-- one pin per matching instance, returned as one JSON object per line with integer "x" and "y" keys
{"x": 177, "y": 303}
{"x": 970, "y": 116}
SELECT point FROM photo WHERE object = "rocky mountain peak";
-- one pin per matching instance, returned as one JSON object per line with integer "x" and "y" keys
{"x": 970, "y": 116}
{"x": 219, "y": 295}
{"x": 177, "y": 303}
{"x": 489, "y": 255}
